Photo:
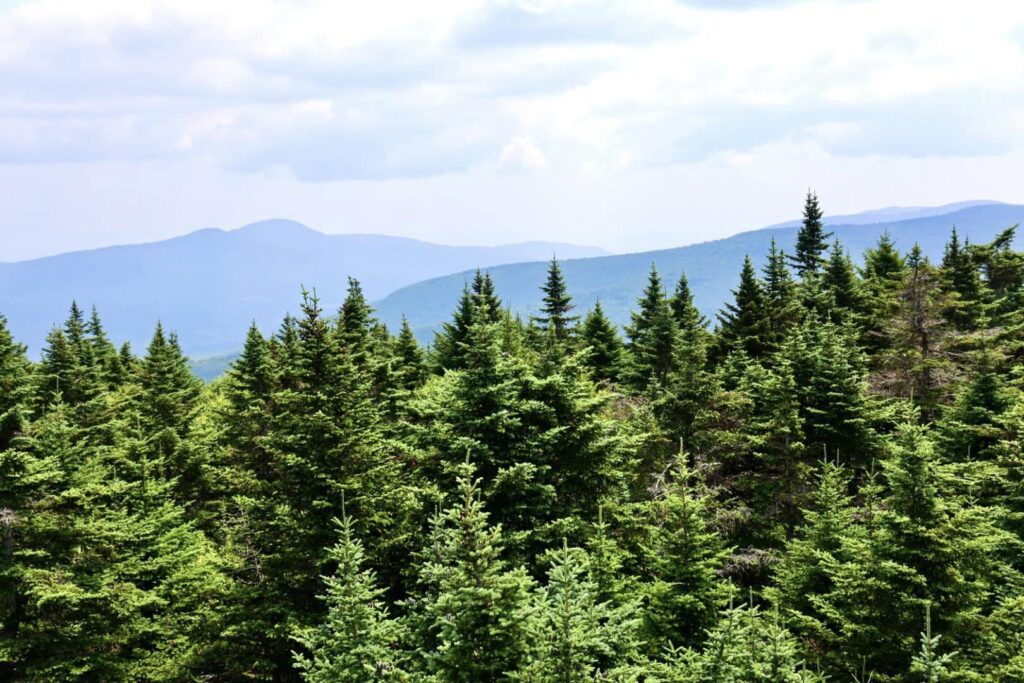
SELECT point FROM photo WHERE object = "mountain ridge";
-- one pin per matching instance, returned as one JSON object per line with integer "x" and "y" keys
{"x": 712, "y": 267}
{"x": 210, "y": 283}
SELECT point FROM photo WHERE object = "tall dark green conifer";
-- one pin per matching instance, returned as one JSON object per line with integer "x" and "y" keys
{"x": 685, "y": 556}
{"x": 811, "y": 240}
{"x": 555, "y": 318}
{"x": 653, "y": 338}
{"x": 14, "y": 387}
{"x": 600, "y": 336}
{"x": 780, "y": 296}
{"x": 743, "y": 324}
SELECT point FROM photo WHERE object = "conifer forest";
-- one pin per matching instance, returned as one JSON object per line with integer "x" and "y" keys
{"x": 824, "y": 484}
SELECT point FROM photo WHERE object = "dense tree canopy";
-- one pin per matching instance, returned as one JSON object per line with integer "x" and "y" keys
{"x": 829, "y": 485}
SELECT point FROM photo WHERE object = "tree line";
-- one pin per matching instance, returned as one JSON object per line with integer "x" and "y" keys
{"x": 826, "y": 485}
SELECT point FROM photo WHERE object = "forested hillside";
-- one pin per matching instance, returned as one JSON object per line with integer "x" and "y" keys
{"x": 825, "y": 484}
{"x": 617, "y": 280}
{"x": 210, "y": 284}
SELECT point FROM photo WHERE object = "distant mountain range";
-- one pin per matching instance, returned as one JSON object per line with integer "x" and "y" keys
{"x": 712, "y": 268}
{"x": 210, "y": 284}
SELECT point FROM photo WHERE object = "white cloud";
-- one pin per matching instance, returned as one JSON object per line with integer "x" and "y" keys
{"x": 522, "y": 154}
{"x": 317, "y": 91}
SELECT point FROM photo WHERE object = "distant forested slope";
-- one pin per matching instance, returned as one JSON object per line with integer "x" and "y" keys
{"x": 710, "y": 267}
{"x": 210, "y": 284}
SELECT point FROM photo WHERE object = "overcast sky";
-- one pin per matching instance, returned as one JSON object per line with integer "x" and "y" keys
{"x": 631, "y": 125}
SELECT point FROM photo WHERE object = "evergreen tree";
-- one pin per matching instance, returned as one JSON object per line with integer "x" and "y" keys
{"x": 831, "y": 381}
{"x": 407, "y": 370}
{"x": 771, "y": 481}
{"x": 811, "y": 240}
{"x": 839, "y": 279}
{"x": 108, "y": 580}
{"x": 450, "y": 342}
{"x": 883, "y": 274}
{"x": 653, "y": 338}
{"x": 473, "y": 613}
{"x": 746, "y": 646}
{"x": 804, "y": 573}
{"x": 918, "y": 366}
{"x": 693, "y": 334}
{"x": 961, "y": 279}
{"x": 780, "y": 297}
{"x": 579, "y": 637}
{"x": 483, "y": 290}
{"x": 971, "y": 427}
{"x": 14, "y": 387}
{"x": 685, "y": 556}
{"x": 356, "y": 640}
{"x": 743, "y": 324}
{"x": 928, "y": 663}
{"x": 324, "y": 444}
{"x": 599, "y": 335}
{"x": 555, "y": 318}
{"x": 355, "y": 320}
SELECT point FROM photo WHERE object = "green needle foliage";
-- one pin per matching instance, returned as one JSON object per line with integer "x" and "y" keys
{"x": 843, "y": 454}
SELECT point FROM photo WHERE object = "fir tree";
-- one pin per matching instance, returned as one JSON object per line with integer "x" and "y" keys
{"x": 599, "y": 335}
{"x": 928, "y": 663}
{"x": 555, "y": 318}
{"x": 450, "y": 342}
{"x": 357, "y": 638}
{"x": 840, "y": 281}
{"x": 780, "y": 296}
{"x": 483, "y": 290}
{"x": 474, "y": 612}
{"x": 355, "y": 320}
{"x": 14, "y": 387}
{"x": 811, "y": 240}
{"x": 743, "y": 324}
{"x": 686, "y": 556}
{"x": 918, "y": 367}
{"x": 961, "y": 279}
{"x": 653, "y": 337}
{"x": 406, "y": 369}
{"x": 578, "y": 636}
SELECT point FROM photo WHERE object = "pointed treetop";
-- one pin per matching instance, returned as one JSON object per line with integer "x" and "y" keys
{"x": 811, "y": 239}
{"x": 557, "y": 305}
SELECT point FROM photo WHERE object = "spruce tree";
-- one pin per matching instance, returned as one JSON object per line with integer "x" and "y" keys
{"x": 831, "y": 380}
{"x": 693, "y": 333}
{"x": 780, "y": 296}
{"x": 450, "y": 342}
{"x": 685, "y": 556}
{"x": 840, "y": 281}
{"x": 883, "y": 274}
{"x": 653, "y": 338}
{"x": 104, "y": 353}
{"x": 356, "y": 641}
{"x": 811, "y": 240}
{"x": 355, "y": 320}
{"x": 406, "y": 370}
{"x": 578, "y": 636}
{"x": 918, "y": 366}
{"x": 14, "y": 387}
{"x": 743, "y": 324}
{"x": 555, "y": 318}
{"x": 962, "y": 279}
{"x": 473, "y": 613}
{"x": 483, "y": 290}
{"x": 109, "y": 580}
{"x": 599, "y": 335}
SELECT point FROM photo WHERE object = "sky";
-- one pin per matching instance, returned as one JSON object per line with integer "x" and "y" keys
{"x": 630, "y": 125}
